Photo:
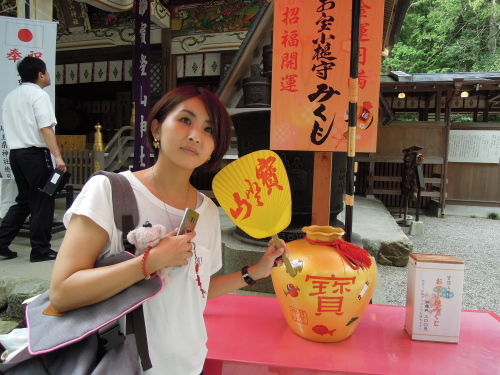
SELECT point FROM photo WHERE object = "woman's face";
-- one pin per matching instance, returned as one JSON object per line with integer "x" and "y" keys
{"x": 186, "y": 134}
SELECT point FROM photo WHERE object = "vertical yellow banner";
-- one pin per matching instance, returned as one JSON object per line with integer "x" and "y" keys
{"x": 311, "y": 56}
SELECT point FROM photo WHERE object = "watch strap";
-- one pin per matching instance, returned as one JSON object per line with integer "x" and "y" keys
{"x": 246, "y": 276}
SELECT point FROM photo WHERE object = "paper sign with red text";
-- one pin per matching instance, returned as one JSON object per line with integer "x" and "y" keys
{"x": 310, "y": 80}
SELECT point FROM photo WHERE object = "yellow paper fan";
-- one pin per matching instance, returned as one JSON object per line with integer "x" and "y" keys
{"x": 255, "y": 194}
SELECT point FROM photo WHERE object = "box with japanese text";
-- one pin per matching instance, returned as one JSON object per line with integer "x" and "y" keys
{"x": 434, "y": 297}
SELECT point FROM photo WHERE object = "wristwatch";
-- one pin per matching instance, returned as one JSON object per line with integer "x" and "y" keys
{"x": 246, "y": 276}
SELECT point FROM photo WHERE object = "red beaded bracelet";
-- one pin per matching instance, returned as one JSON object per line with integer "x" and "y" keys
{"x": 143, "y": 266}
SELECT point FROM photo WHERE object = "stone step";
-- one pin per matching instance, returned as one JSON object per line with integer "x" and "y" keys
{"x": 14, "y": 291}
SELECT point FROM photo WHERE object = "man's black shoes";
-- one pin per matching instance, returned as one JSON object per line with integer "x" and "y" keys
{"x": 51, "y": 255}
{"x": 8, "y": 254}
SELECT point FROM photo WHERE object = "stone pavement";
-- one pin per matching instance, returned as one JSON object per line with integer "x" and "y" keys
{"x": 373, "y": 228}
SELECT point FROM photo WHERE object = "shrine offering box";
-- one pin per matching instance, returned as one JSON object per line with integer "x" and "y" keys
{"x": 434, "y": 297}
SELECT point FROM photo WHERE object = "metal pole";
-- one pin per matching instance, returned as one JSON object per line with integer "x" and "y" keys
{"x": 353, "y": 110}
{"x": 417, "y": 214}
{"x": 405, "y": 217}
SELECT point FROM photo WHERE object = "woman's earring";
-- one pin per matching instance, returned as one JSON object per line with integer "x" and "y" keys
{"x": 156, "y": 143}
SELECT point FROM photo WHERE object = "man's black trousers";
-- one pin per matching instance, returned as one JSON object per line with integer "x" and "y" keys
{"x": 32, "y": 168}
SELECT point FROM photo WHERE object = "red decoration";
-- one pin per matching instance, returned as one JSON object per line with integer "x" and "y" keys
{"x": 356, "y": 256}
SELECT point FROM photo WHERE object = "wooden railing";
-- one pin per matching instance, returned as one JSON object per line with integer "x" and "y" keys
{"x": 382, "y": 177}
{"x": 381, "y": 172}
{"x": 115, "y": 156}
{"x": 462, "y": 183}
{"x": 79, "y": 164}
{"x": 118, "y": 151}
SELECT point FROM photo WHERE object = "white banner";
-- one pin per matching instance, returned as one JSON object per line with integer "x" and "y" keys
{"x": 19, "y": 38}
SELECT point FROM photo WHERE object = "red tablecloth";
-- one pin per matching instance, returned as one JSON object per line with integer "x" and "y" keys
{"x": 248, "y": 335}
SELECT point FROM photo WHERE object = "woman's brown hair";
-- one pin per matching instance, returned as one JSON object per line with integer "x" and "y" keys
{"x": 221, "y": 128}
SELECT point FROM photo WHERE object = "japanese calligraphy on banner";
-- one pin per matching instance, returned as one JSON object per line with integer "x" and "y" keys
{"x": 20, "y": 38}
{"x": 142, "y": 86}
{"x": 310, "y": 81}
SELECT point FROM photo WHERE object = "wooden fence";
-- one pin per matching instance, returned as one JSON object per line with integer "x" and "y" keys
{"x": 80, "y": 165}
{"x": 380, "y": 173}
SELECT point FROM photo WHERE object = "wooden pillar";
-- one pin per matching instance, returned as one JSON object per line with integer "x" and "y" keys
{"x": 322, "y": 181}
{"x": 35, "y": 10}
{"x": 169, "y": 67}
{"x": 438, "y": 105}
{"x": 429, "y": 97}
{"x": 420, "y": 115}
{"x": 444, "y": 174}
{"x": 371, "y": 175}
{"x": 486, "y": 111}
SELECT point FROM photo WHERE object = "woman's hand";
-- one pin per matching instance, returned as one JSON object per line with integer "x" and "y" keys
{"x": 171, "y": 251}
{"x": 266, "y": 263}
{"x": 223, "y": 284}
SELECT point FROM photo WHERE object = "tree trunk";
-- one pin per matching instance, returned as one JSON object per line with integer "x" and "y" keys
{"x": 494, "y": 26}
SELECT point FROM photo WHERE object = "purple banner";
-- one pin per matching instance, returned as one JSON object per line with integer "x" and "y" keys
{"x": 142, "y": 83}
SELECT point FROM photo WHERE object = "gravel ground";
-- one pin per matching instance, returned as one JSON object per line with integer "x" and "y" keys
{"x": 474, "y": 240}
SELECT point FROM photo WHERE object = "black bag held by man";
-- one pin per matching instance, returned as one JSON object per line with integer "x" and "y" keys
{"x": 56, "y": 182}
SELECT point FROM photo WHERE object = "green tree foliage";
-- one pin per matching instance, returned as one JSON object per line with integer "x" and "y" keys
{"x": 440, "y": 36}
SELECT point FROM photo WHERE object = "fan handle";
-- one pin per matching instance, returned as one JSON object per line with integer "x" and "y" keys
{"x": 283, "y": 259}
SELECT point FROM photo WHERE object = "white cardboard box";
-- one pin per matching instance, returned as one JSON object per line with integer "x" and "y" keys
{"x": 434, "y": 297}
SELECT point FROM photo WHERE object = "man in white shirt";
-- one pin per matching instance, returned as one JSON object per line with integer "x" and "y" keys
{"x": 29, "y": 121}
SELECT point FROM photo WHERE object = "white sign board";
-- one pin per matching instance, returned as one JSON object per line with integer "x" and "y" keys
{"x": 474, "y": 146}
{"x": 20, "y": 38}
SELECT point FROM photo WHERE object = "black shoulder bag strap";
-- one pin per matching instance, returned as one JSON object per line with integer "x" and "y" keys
{"x": 126, "y": 216}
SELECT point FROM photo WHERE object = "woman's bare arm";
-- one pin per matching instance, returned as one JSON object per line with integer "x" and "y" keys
{"x": 76, "y": 283}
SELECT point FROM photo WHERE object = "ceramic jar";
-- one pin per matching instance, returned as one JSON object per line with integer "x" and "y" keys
{"x": 332, "y": 288}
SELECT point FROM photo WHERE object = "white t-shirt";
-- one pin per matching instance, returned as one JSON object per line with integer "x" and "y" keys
{"x": 174, "y": 319}
{"x": 26, "y": 110}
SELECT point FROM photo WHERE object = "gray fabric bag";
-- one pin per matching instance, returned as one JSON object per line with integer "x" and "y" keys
{"x": 80, "y": 342}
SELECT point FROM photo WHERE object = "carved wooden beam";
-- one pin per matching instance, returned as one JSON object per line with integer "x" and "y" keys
{"x": 493, "y": 96}
{"x": 110, "y": 6}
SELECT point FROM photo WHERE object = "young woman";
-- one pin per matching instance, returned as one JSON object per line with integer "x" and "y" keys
{"x": 188, "y": 129}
